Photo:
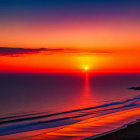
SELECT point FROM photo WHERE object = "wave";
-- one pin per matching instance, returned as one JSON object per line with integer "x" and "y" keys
{"x": 35, "y": 121}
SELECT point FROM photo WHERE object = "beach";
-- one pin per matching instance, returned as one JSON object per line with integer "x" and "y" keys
{"x": 127, "y": 132}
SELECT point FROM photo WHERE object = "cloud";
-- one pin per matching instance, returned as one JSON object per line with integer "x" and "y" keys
{"x": 18, "y": 51}
{"x": 75, "y": 51}
{"x": 8, "y": 51}
{"x": 86, "y": 51}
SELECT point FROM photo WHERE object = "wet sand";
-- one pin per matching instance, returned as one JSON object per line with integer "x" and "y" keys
{"x": 127, "y": 132}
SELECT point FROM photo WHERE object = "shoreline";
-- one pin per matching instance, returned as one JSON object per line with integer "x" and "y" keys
{"x": 129, "y": 131}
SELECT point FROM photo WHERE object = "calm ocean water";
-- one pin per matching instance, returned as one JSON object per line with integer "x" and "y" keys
{"x": 48, "y": 102}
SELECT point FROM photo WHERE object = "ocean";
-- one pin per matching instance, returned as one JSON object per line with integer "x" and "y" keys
{"x": 66, "y": 106}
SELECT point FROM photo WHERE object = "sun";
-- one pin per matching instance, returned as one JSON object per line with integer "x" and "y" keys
{"x": 86, "y": 68}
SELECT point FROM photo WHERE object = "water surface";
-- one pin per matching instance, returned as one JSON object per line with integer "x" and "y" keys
{"x": 33, "y": 104}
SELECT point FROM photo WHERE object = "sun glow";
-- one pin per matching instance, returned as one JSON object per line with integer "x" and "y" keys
{"x": 86, "y": 68}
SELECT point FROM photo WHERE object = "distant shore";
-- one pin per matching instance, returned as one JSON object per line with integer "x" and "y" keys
{"x": 129, "y": 131}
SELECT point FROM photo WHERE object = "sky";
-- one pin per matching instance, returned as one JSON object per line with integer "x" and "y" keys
{"x": 69, "y": 35}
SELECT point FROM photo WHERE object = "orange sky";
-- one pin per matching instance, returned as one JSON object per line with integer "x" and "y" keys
{"x": 101, "y": 47}
{"x": 105, "y": 41}
{"x": 71, "y": 62}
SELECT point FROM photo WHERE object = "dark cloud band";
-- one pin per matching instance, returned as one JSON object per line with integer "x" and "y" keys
{"x": 18, "y": 51}
{"x": 8, "y": 51}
